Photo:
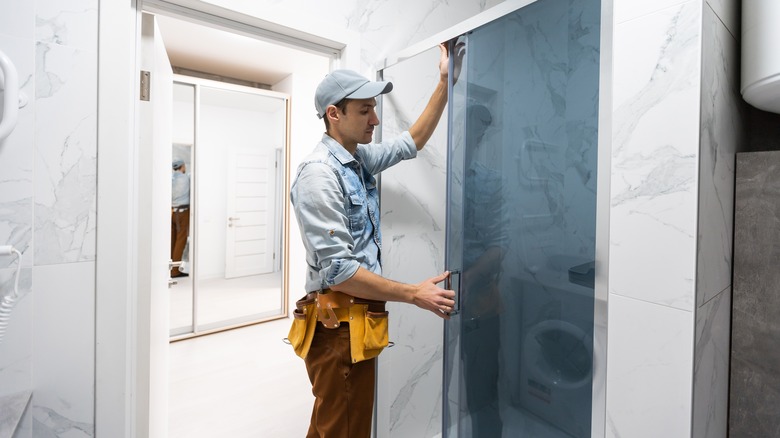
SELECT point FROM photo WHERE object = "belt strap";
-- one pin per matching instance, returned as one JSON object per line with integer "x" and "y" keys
{"x": 328, "y": 301}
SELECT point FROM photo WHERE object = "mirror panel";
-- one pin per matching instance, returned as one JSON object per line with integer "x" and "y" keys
{"x": 180, "y": 287}
{"x": 236, "y": 138}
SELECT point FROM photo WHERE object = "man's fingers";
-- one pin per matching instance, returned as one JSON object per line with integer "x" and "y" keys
{"x": 439, "y": 278}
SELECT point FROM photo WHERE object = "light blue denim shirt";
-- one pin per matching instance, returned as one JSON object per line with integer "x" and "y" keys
{"x": 336, "y": 202}
{"x": 180, "y": 192}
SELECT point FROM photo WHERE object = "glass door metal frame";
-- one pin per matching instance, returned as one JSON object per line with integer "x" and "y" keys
{"x": 601, "y": 283}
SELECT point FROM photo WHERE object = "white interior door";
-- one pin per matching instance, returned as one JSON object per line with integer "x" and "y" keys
{"x": 153, "y": 234}
{"x": 250, "y": 212}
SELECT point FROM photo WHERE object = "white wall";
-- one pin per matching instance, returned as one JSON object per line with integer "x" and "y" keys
{"x": 47, "y": 210}
{"x": 48, "y": 192}
{"x": 676, "y": 126}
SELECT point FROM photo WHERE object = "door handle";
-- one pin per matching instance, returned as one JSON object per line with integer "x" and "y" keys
{"x": 231, "y": 219}
{"x": 449, "y": 282}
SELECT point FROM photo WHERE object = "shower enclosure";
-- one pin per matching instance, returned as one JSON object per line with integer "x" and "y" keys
{"x": 521, "y": 356}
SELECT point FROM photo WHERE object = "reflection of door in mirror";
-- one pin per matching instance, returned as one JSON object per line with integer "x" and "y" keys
{"x": 239, "y": 138}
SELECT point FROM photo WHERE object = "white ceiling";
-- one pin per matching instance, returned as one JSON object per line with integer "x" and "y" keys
{"x": 200, "y": 48}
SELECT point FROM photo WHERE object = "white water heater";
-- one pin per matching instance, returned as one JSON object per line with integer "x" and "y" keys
{"x": 761, "y": 54}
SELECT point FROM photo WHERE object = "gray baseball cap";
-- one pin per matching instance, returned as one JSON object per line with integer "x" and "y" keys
{"x": 346, "y": 84}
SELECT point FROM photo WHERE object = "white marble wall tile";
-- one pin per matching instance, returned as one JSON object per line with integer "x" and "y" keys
{"x": 17, "y": 19}
{"x": 711, "y": 367}
{"x": 64, "y": 350}
{"x": 73, "y": 23}
{"x": 16, "y": 344}
{"x": 625, "y": 10}
{"x": 655, "y": 157}
{"x": 649, "y": 362}
{"x": 388, "y": 27}
{"x": 24, "y": 430}
{"x": 729, "y": 12}
{"x": 413, "y": 197}
{"x": 16, "y": 158}
{"x": 721, "y": 136}
{"x": 65, "y": 165}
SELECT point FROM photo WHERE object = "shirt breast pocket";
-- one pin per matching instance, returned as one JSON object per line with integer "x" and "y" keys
{"x": 357, "y": 212}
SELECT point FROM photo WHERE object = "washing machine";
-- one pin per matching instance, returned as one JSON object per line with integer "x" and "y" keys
{"x": 556, "y": 345}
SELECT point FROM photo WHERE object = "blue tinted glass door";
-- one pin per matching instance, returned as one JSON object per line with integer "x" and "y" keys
{"x": 522, "y": 224}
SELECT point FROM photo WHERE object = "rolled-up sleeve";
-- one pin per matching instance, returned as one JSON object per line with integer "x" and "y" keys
{"x": 319, "y": 207}
{"x": 380, "y": 156}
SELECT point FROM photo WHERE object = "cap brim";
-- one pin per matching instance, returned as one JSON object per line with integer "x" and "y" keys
{"x": 371, "y": 89}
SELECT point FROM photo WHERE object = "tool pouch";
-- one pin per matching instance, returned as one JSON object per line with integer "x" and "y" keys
{"x": 369, "y": 336}
{"x": 303, "y": 325}
{"x": 368, "y": 328}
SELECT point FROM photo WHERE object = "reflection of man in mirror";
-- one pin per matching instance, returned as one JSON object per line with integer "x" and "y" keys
{"x": 484, "y": 246}
{"x": 180, "y": 213}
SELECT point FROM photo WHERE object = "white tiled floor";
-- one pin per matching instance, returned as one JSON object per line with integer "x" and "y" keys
{"x": 239, "y": 383}
{"x": 225, "y": 300}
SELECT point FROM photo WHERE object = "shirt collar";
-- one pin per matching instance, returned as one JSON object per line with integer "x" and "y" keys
{"x": 337, "y": 150}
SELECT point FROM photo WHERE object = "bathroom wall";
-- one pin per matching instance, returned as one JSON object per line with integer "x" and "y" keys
{"x": 49, "y": 346}
{"x": 409, "y": 391}
{"x": 755, "y": 376}
{"x": 677, "y": 124}
{"x": 47, "y": 211}
{"x": 666, "y": 327}
{"x": 722, "y": 135}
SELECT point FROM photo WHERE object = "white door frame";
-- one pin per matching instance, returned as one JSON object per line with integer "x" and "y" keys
{"x": 117, "y": 345}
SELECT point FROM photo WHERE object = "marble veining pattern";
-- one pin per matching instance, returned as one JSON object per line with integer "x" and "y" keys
{"x": 66, "y": 170}
{"x": 648, "y": 390}
{"x": 54, "y": 424}
{"x": 12, "y": 407}
{"x": 413, "y": 214}
{"x": 728, "y": 11}
{"x": 16, "y": 346}
{"x": 721, "y": 136}
{"x": 73, "y": 24}
{"x": 64, "y": 350}
{"x": 711, "y": 367}
{"x": 16, "y": 160}
{"x": 654, "y": 159}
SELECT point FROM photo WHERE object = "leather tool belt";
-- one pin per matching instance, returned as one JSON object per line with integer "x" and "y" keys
{"x": 368, "y": 328}
{"x": 333, "y": 307}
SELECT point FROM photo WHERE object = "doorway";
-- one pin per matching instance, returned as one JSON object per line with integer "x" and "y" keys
{"x": 231, "y": 129}
{"x": 131, "y": 351}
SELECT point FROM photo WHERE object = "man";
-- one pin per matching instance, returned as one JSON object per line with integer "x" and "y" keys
{"x": 180, "y": 213}
{"x": 336, "y": 202}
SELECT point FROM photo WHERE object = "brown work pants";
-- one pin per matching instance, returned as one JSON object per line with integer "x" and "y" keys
{"x": 343, "y": 391}
{"x": 180, "y": 229}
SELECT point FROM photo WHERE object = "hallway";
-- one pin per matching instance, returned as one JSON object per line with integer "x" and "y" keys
{"x": 239, "y": 383}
